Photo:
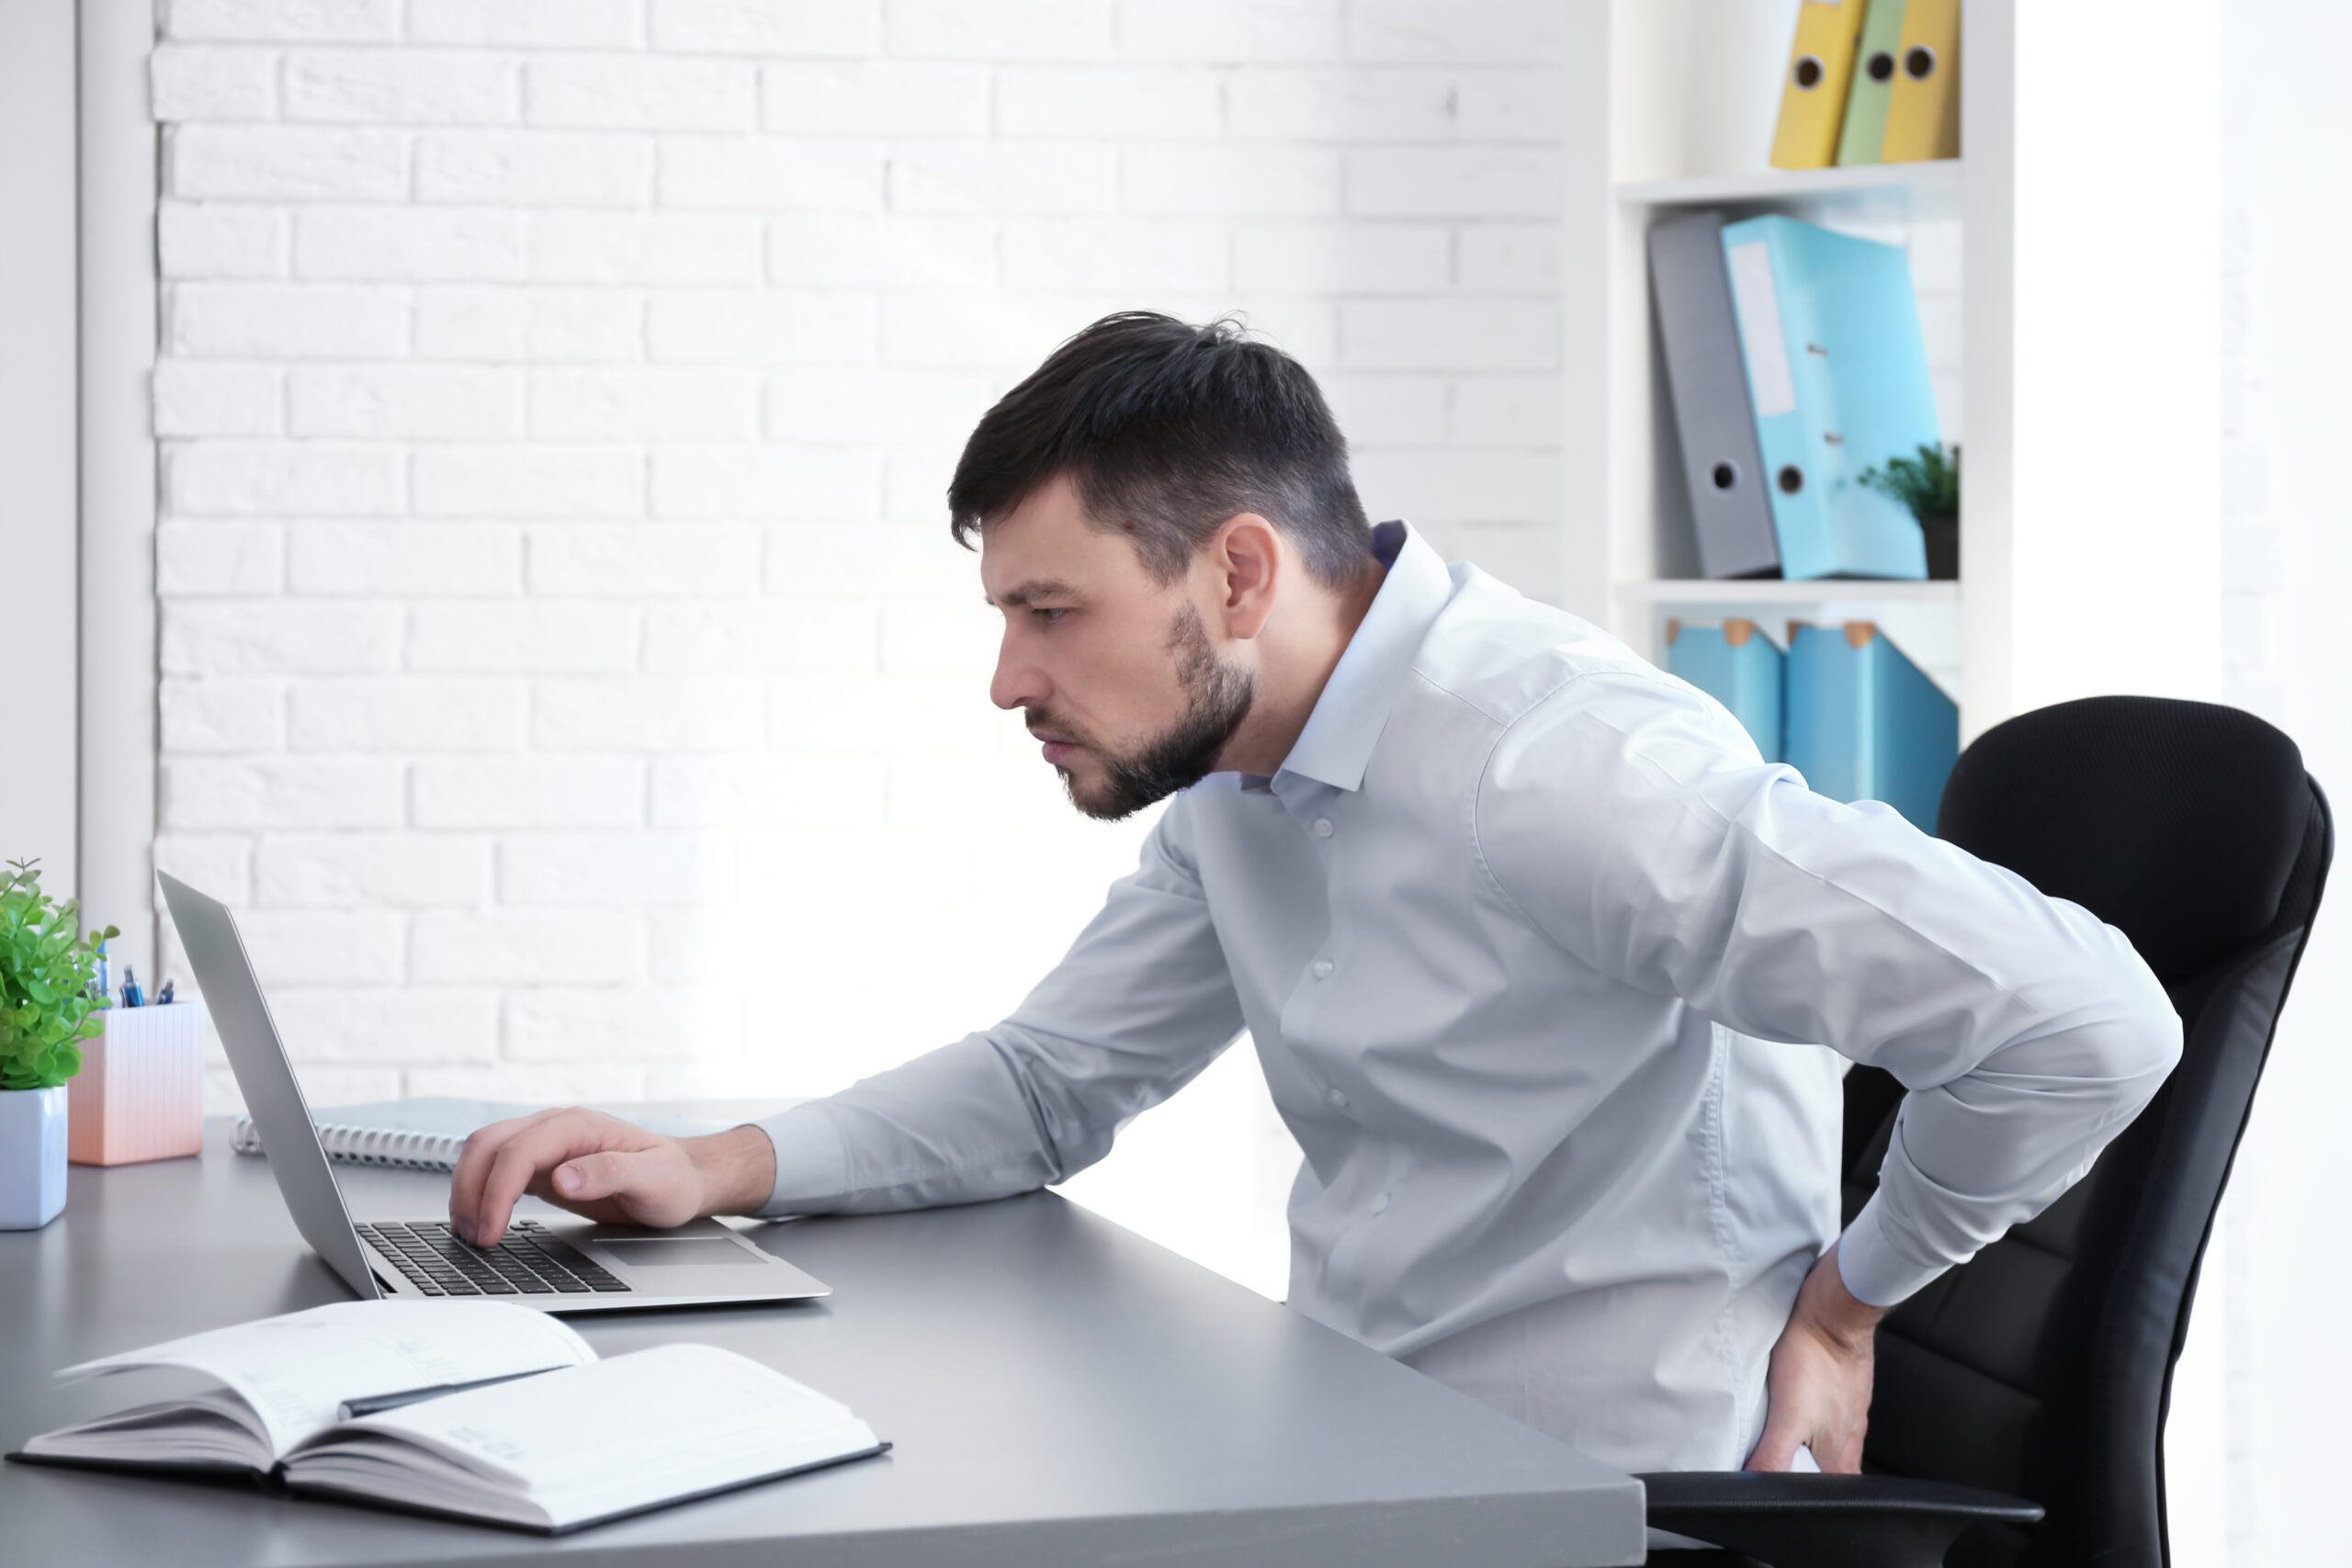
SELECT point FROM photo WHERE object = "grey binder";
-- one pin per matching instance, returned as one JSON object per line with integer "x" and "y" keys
{"x": 1722, "y": 466}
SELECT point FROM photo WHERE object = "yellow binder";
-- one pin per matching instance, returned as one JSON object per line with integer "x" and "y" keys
{"x": 1923, "y": 111}
{"x": 1812, "y": 93}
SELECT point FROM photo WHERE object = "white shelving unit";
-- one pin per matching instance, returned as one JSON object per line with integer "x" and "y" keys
{"x": 2089, "y": 340}
{"x": 1924, "y": 190}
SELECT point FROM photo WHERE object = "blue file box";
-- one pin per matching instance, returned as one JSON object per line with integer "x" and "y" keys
{"x": 1739, "y": 667}
{"x": 1864, "y": 723}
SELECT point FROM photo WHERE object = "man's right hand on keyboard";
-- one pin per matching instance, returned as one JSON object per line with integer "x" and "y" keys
{"x": 605, "y": 1169}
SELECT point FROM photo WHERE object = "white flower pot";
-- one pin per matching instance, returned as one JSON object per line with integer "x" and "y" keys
{"x": 32, "y": 1156}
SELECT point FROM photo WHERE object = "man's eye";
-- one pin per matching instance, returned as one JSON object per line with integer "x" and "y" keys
{"x": 1051, "y": 616}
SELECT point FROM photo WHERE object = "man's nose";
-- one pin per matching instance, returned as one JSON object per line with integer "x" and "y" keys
{"x": 1018, "y": 683}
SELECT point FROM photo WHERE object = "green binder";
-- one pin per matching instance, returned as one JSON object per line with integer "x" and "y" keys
{"x": 1865, "y": 126}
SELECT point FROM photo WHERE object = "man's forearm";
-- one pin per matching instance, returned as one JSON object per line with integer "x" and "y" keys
{"x": 958, "y": 1124}
{"x": 738, "y": 1168}
{"x": 1843, "y": 1315}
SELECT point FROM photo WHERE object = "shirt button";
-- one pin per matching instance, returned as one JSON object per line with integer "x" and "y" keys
{"x": 1379, "y": 1204}
{"x": 1322, "y": 826}
{"x": 1322, "y": 968}
{"x": 1338, "y": 1098}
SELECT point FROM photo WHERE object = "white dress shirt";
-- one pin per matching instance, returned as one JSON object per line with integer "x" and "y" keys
{"x": 1546, "y": 968}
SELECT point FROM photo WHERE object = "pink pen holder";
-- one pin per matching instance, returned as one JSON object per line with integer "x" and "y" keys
{"x": 139, "y": 1094}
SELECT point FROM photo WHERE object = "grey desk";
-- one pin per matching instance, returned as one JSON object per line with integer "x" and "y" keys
{"x": 1061, "y": 1391}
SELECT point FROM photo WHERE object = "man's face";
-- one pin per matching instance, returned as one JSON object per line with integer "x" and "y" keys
{"x": 1116, "y": 675}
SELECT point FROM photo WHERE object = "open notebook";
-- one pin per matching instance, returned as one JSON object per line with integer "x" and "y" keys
{"x": 478, "y": 1410}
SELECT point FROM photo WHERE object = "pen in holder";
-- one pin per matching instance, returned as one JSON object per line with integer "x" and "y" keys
{"x": 139, "y": 1094}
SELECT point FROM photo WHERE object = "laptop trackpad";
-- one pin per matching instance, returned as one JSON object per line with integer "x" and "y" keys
{"x": 699, "y": 1252}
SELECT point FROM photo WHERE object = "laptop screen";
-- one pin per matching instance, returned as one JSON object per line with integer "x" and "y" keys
{"x": 273, "y": 1099}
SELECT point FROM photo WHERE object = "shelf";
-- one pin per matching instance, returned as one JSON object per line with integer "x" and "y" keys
{"x": 2004, "y": 240}
{"x": 1921, "y": 190}
{"x": 1776, "y": 591}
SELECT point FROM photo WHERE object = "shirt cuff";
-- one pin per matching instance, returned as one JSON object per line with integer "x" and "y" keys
{"x": 1873, "y": 1269}
{"x": 811, "y": 1165}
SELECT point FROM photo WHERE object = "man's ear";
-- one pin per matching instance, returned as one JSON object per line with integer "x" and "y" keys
{"x": 1248, "y": 563}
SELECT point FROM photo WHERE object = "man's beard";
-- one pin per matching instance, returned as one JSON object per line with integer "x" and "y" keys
{"x": 1216, "y": 699}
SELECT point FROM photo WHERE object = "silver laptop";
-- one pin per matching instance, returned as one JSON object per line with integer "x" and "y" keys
{"x": 556, "y": 1265}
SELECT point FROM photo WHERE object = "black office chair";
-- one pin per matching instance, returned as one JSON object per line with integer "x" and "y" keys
{"x": 2042, "y": 1369}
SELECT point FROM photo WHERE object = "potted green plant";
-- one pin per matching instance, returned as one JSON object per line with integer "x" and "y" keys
{"x": 50, "y": 1003}
{"x": 1927, "y": 486}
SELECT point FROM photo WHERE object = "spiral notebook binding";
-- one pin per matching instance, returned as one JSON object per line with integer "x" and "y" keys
{"x": 398, "y": 1147}
{"x": 402, "y": 1147}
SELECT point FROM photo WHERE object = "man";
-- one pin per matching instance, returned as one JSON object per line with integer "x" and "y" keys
{"x": 1540, "y": 956}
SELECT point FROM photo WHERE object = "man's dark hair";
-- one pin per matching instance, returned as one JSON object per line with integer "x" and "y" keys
{"x": 1166, "y": 430}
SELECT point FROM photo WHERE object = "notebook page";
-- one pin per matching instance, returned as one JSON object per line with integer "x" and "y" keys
{"x": 629, "y": 1429}
{"x": 214, "y": 1427}
{"x": 294, "y": 1369}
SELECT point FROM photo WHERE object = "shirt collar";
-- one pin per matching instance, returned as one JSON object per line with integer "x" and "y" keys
{"x": 1349, "y": 714}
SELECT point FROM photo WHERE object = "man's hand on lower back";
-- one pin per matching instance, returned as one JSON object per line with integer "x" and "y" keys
{"x": 605, "y": 1169}
{"x": 1817, "y": 1390}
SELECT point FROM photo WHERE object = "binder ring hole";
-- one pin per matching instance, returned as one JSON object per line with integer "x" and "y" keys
{"x": 1918, "y": 63}
{"x": 1791, "y": 480}
{"x": 1880, "y": 66}
{"x": 1725, "y": 475}
{"x": 1806, "y": 72}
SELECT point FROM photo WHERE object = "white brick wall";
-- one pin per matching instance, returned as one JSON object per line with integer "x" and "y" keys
{"x": 565, "y": 661}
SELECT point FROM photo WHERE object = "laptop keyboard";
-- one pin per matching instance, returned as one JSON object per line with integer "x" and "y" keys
{"x": 529, "y": 1261}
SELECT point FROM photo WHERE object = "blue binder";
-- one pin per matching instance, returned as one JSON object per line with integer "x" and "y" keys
{"x": 1838, "y": 378}
{"x": 1864, "y": 723}
{"x": 1737, "y": 665}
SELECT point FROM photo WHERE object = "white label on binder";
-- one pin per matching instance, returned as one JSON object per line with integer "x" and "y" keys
{"x": 1758, "y": 307}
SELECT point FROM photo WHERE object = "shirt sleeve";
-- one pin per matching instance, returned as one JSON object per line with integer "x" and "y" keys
{"x": 1140, "y": 1003}
{"x": 1631, "y": 820}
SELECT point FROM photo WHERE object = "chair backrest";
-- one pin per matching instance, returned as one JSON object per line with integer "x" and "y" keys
{"x": 2043, "y": 1367}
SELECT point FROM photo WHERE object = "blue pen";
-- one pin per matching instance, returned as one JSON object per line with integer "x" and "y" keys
{"x": 163, "y": 997}
{"x": 131, "y": 996}
{"x": 104, "y": 987}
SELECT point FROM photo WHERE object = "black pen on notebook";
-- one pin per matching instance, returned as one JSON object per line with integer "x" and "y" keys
{"x": 352, "y": 1409}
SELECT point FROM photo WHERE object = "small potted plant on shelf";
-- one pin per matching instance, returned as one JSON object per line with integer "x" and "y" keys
{"x": 50, "y": 1003}
{"x": 1929, "y": 487}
